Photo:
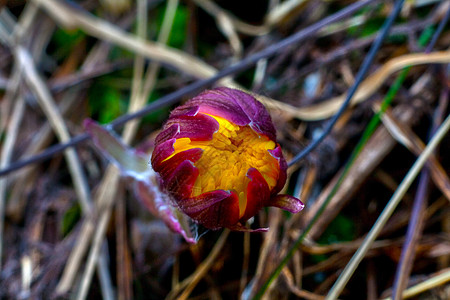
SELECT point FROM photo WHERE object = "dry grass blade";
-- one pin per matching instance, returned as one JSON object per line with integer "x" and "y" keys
{"x": 141, "y": 92}
{"x": 228, "y": 24}
{"x": 45, "y": 99}
{"x": 104, "y": 202}
{"x": 123, "y": 257}
{"x": 416, "y": 224}
{"x": 55, "y": 118}
{"x": 387, "y": 212}
{"x": 12, "y": 129}
{"x": 104, "y": 275}
{"x": 373, "y": 82}
{"x": 27, "y": 275}
{"x": 406, "y": 136}
{"x": 6, "y": 152}
{"x": 106, "y": 31}
{"x": 298, "y": 292}
{"x": 130, "y": 70}
{"x": 215, "y": 10}
{"x": 106, "y": 199}
{"x": 97, "y": 242}
{"x": 376, "y": 149}
{"x": 40, "y": 139}
{"x": 436, "y": 280}
{"x": 414, "y": 232}
{"x": 191, "y": 65}
{"x": 24, "y": 177}
{"x": 245, "y": 263}
{"x": 267, "y": 259}
{"x": 26, "y": 64}
{"x": 281, "y": 12}
{"x": 188, "y": 285}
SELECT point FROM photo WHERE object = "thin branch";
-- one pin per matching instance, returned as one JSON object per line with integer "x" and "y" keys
{"x": 196, "y": 86}
{"x": 57, "y": 121}
{"x": 106, "y": 199}
{"x": 359, "y": 78}
{"x": 6, "y": 153}
{"x": 77, "y": 18}
{"x": 415, "y": 226}
{"x": 367, "y": 61}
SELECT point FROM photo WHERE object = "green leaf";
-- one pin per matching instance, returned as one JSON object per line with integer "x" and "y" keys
{"x": 177, "y": 36}
{"x": 341, "y": 229}
{"x": 70, "y": 219}
{"x": 105, "y": 103}
{"x": 67, "y": 38}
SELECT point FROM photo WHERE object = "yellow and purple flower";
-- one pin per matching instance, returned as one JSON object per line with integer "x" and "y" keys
{"x": 218, "y": 158}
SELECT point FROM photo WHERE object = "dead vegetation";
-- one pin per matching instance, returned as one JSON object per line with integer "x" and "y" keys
{"x": 377, "y": 189}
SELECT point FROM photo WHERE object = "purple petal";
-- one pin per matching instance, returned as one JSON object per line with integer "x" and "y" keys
{"x": 219, "y": 103}
{"x": 184, "y": 110}
{"x": 287, "y": 202}
{"x": 168, "y": 133}
{"x": 200, "y": 127}
{"x": 234, "y": 105}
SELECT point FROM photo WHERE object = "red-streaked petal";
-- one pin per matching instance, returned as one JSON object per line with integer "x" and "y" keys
{"x": 161, "y": 152}
{"x": 258, "y": 193}
{"x": 200, "y": 127}
{"x": 221, "y": 213}
{"x": 203, "y": 201}
{"x": 180, "y": 183}
{"x": 282, "y": 176}
{"x": 167, "y": 168}
{"x": 287, "y": 202}
{"x": 184, "y": 110}
{"x": 168, "y": 132}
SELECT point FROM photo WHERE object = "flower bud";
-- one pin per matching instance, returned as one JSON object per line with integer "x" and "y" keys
{"x": 218, "y": 159}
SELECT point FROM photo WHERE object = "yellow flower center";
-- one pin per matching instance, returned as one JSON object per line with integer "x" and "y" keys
{"x": 228, "y": 156}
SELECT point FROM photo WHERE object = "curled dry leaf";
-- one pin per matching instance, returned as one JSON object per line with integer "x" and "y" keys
{"x": 134, "y": 164}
